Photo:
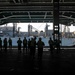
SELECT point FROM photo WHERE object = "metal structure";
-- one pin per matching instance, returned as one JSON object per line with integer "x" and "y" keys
{"x": 56, "y": 11}
{"x": 30, "y": 30}
{"x": 66, "y": 29}
{"x": 14, "y": 29}
{"x": 46, "y": 30}
{"x": 35, "y": 11}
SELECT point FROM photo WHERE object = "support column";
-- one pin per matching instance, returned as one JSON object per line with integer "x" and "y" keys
{"x": 13, "y": 29}
{"x": 56, "y": 35}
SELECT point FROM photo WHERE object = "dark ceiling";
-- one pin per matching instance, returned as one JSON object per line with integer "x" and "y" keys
{"x": 35, "y": 11}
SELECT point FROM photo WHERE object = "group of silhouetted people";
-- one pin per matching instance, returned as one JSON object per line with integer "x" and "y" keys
{"x": 54, "y": 45}
{"x": 29, "y": 45}
{"x": 6, "y": 43}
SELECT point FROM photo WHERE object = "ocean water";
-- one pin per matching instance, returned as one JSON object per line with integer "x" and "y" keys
{"x": 64, "y": 41}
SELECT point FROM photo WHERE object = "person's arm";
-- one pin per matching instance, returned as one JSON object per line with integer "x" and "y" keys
{"x": 17, "y": 41}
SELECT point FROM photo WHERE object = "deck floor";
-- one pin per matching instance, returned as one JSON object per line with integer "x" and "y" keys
{"x": 13, "y": 61}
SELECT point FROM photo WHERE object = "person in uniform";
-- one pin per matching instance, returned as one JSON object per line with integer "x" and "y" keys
{"x": 19, "y": 44}
{"x": 25, "y": 44}
{"x": 5, "y": 44}
{"x": 51, "y": 45}
{"x": 40, "y": 45}
{"x": 0, "y": 44}
{"x": 10, "y": 43}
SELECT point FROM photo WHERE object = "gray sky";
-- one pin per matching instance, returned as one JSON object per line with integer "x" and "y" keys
{"x": 39, "y": 26}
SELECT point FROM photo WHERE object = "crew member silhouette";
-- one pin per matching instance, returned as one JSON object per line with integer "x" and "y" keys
{"x": 10, "y": 43}
{"x": 40, "y": 45}
{"x": 58, "y": 45}
{"x": 19, "y": 44}
{"x": 29, "y": 41}
{"x": 5, "y": 44}
{"x": 0, "y": 44}
{"x": 32, "y": 47}
{"x": 34, "y": 50}
{"x": 51, "y": 45}
{"x": 25, "y": 44}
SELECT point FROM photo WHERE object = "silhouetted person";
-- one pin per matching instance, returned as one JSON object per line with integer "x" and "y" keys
{"x": 29, "y": 41}
{"x": 5, "y": 44}
{"x": 34, "y": 50}
{"x": 0, "y": 44}
{"x": 40, "y": 45}
{"x": 25, "y": 44}
{"x": 51, "y": 45}
{"x": 10, "y": 43}
{"x": 32, "y": 47}
{"x": 19, "y": 44}
{"x": 58, "y": 45}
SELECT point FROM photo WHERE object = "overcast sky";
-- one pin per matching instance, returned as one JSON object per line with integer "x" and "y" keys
{"x": 39, "y": 26}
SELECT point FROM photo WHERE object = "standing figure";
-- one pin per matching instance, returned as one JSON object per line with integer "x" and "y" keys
{"x": 19, "y": 44}
{"x": 0, "y": 44}
{"x": 29, "y": 44}
{"x": 34, "y": 50}
{"x": 10, "y": 43}
{"x": 25, "y": 44}
{"x": 5, "y": 44}
{"x": 40, "y": 45}
{"x": 32, "y": 47}
{"x": 58, "y": 45}
{"x": 51, "y": 45}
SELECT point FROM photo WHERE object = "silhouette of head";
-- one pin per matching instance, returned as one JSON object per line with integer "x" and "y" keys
{"x": 40, "y": 39}
{"x": 24, "y": 37}
{"x": 50, "y": 38}
{"x": 19, "y": 38}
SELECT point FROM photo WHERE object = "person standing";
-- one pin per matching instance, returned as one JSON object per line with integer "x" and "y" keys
{"x": 40, "y": 45}
{"x": 10, "y": 43}
{"x": 32, "y": 48}
{"x": 51, "y": 45}
{"x": 19, "y": 44}
{"x": 0, "y": 44}
{"x": 5, "y": 44}
{"x": 25, "y": 44}
{"x": 29, "y": 45}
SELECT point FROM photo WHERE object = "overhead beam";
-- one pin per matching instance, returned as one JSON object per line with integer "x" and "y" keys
{"x": 45, "y": 15}
{"x": 39, "y": 3}
{"x": 51, "y": 1}
{"x": 68, "y": 17}
{"x": 14, "y": 1}
{"x": 35, "y": 8}
{"x": 19, "y": 1}
{"x": 12, "y": 16}
{"x": 22, "y": 1}
{"x": 29, "y": 15}
{"x": 15, "y": 11}
{"x": 63, "y": 0}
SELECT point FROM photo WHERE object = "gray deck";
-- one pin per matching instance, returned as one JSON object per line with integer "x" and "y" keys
{"x": 13, "y": 61}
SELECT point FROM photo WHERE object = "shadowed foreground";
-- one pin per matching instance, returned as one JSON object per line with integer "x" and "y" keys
{"x": 14, "y": 61}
